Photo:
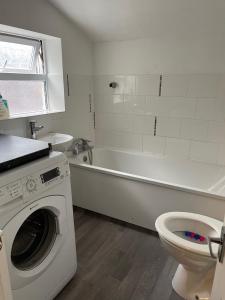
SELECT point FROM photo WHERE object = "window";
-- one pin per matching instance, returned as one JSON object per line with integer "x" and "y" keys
{"x": 23, "y": 79}
{"x": 31, "y": 72}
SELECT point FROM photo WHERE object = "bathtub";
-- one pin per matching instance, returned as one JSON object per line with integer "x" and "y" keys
{"x": 137, "y": 188}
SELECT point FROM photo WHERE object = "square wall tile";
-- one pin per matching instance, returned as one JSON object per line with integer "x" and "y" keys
{"x": 154, "y": 144}
{"x": 194, "y": 129}
{"x": 175, "y": 85}
{"x": 206, "y": 152}
{"x": 204, "y": 86}
{"x": 147, "y": 84}
{"x": 168, "y": 127}
{"x": 143, "y": 124}
{"x": 178, "y": 148}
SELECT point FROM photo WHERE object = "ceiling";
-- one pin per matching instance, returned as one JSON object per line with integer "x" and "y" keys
{"x": 110, "y": 20}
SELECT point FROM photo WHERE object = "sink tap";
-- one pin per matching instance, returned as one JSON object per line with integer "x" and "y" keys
{"x": 34, "y": 129}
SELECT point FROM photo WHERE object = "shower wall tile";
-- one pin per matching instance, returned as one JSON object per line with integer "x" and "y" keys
{"x": 190, "y": 114}
{"x": 204, "y": 86}
{"x": 154, "y": 144}
{"x": 221, "y": 154}
{"x": 178, "y": 148}
{"x": 216, "y": 132}
{"x": 194, "y": 129}
{"x": 147, "y": 84}
{"x": 175, "y": 85}
{"x": 174, "y": 107}
{"x": 209, "y": 109}
{"x": 143, "y": 124}
{"x": 135, "y": 104}
{"x": 168, "y": 127}
{"x": 206, "y": 152}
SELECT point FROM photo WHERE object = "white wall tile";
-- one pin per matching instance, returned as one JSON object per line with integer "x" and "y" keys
{"x": 175, "y": 85}
{"x": 209, "y": 109}
{"x": 194, "y": 129}
{"x": 129, "y": 85}
{"x": 121, "y": 122}
{"x": 154, "y": 144}
{"x": 143, "y": 124}
{"x": 216, "y": 132}
{"x": 126, "y": 84}
{"x": 125, "y": 140}
{"x": 109, "y": 103}
{"x": 206, "y": 152}
{"x": 169, "y": 127}
{"x": 134, "y": 104}
{"x": 99, "y": 138}
{"x": 177, "y": 148}
{"x": 118, "y": 122}
{"x": 173, "y": 107}
{"x": 221, "y": 154}
{"x": 204, "y": 86}
{"x": 147, "y": 84}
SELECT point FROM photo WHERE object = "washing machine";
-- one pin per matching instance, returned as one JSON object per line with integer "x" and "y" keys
{"x": 36, "y": 217}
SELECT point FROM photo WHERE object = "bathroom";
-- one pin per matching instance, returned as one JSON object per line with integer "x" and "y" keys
{"x": 145, "y": 104}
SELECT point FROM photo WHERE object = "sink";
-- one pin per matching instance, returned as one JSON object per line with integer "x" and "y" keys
{"x": 60, "y": 142}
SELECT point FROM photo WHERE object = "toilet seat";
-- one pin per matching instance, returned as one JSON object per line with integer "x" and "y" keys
{"x": 174, "y": 220}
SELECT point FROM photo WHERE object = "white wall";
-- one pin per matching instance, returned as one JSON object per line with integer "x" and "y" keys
{"x": 40, "y": 16}
{"x": 160, "y": 55}
{"x": 190, "y": 110}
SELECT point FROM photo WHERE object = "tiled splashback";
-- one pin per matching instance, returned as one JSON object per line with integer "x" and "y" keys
{"x": 186, "y": 111}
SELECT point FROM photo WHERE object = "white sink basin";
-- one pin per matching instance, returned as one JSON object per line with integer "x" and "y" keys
{"x": 60, "y": 142}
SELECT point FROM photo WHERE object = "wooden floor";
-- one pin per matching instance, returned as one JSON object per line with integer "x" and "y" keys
{"x": 118, "y": 262}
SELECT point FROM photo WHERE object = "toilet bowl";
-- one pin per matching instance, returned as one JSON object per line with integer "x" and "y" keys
{"x": 184, "y": 236}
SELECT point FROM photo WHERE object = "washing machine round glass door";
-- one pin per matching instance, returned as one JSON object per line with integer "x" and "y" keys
{"x": 34, "y": 236}
{"x": 34, "y": 239}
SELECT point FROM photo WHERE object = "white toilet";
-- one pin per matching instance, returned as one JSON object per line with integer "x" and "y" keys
{"x": 184, "y": 235}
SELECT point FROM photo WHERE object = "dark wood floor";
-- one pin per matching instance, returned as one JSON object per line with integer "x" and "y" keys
{"x": 118, "y": 262}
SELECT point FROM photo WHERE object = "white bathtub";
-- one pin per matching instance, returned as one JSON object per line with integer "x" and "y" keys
{"x": 137, "y": 188}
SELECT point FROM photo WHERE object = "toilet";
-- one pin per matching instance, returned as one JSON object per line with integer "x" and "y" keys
{"x": 185, "y": 236}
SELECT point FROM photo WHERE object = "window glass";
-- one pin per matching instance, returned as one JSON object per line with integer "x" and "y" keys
{"x": 24, "y": 96}
{"x": 20, "y": 55}
{"x": 16, "y": 56}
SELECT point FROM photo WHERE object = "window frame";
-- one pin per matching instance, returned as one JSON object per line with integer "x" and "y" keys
{"x": 53, "y": 70}
{"x": 23, "y": 75}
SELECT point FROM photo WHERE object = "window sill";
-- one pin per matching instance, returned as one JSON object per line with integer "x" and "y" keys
{"x": 26, "y": 115}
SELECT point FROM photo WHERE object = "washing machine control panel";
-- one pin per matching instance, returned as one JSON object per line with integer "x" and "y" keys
{"x": 24, "y": 189}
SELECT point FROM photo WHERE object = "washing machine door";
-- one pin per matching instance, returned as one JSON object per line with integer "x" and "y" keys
{"x": 33, "y": 238}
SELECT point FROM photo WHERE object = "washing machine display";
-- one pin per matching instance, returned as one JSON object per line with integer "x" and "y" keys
{"x": 47, "y": 176}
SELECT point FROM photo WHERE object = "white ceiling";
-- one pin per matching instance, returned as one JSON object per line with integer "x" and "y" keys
{"x": 109, "y": 20}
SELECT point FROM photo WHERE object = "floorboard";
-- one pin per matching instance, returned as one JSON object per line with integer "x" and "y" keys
{"x": 118, "y": 262}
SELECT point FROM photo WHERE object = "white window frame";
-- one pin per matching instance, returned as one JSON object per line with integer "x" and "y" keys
{"x": 22, "y": 41}
{"x": 53, "y": 68}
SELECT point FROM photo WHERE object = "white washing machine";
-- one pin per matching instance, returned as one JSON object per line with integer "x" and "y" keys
{"x": 36, "y": 217}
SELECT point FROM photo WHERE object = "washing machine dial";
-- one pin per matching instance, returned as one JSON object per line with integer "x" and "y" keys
{"x": 31, "y": 185}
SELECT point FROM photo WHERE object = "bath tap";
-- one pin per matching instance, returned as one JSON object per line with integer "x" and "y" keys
{"x": 80, "y": 145}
